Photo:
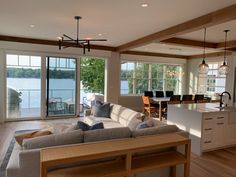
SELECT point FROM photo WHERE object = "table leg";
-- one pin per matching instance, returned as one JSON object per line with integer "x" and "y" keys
{"x": 160, "y": 117}
{"x": 188, "y": 156}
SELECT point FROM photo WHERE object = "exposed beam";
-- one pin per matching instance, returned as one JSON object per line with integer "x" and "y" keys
{"x": 216, "y": 54}
{"x": 211, "y": 19}
{"x": 230, "y": 44}
{"x": 188, "y": 43}
{"x": 49, "y": 42}
{"x": 155, "y": 54}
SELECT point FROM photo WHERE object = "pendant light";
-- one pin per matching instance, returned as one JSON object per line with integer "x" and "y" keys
{"x": 224, "y": 69}
{"x": 203, "y": 67}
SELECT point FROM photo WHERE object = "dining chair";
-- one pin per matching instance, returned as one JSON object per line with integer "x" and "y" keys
{"x": 148, "y": 107}
{"x": 173, "y": 102}
{"x": 169, "y": 93}
{"x": 159, "y": 94}
{"x": 198, "y": 97}
{"x": 202, "y": 101}
{"x": 148, "y": 93}
{"x": 187, "y": 98}
{"x": 188, "y": 102}
{"x": 175, "y": 98}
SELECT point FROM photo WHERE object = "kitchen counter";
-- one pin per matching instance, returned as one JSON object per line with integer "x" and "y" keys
{"x": 204, "y": 107}
{"x": 210, "y": 127}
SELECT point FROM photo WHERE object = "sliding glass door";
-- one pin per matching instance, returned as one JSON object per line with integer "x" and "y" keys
{"x": 61, "y": 86}
{"x": 23, "y": 100}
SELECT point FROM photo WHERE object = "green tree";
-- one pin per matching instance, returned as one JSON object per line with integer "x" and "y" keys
{"x": 92, "y": 72}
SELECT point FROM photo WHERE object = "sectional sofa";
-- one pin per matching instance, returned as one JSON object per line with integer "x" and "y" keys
{"x": 123, "y": 123}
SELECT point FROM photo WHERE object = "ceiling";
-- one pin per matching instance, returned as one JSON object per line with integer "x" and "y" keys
{"x": 118, "y": 21}
{"x": 215, "y": 33}
{"x": 172, "y": 49}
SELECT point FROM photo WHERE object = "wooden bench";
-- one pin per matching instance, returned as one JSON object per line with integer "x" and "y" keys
{"x": 127, "y": 165}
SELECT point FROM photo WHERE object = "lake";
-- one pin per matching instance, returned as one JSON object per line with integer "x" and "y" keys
{"x": 63, "y": 88}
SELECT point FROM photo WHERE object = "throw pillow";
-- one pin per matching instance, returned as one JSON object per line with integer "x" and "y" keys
{"x": 19, "y": 138}
{"x": 146, "y": 124}
{"x": 101, "y": 109}
{"x": 83, "y": 126}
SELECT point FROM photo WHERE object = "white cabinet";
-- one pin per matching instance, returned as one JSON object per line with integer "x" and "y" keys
{"x": 208, "y": 128}
{"x": 214, "y": 130}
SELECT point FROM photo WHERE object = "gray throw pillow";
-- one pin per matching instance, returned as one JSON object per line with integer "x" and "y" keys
{"x": 85, "y": 127}
{"x": 101, "y": 109}
{"x": 146, "y": 124}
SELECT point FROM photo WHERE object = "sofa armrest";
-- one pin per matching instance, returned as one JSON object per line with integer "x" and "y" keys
{"x": 29, "y": 159}
{"x": 87, "y": 112}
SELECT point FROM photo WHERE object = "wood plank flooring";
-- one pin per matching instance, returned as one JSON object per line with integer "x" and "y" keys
{"x": 219, "y": 163}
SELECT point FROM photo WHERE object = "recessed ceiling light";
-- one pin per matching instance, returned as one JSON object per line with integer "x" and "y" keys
{"x": 144, "y": 5}
{"x": 32, "y": 26}
{"x": 99, "y": 34}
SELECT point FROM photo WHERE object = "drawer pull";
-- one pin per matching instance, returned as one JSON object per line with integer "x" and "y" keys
{"x": 220, "y": 117}
{"x": 220, "y": 123}
{"x": 208, "y": 118}
{"x": 207, "y": 129}
{"x": 207, "y": 142}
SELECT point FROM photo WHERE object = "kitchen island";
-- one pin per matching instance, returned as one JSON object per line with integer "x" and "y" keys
{"x": 210, "y": 127}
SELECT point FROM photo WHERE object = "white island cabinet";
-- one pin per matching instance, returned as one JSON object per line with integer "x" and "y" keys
{"x": 209, "y": 126}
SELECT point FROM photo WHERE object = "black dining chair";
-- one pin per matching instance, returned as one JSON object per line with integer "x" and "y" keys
{"x": 198, "y": 97}
{"x": 175, "y": 98}
{"x": 148, "y": 93}
{"x": 169, "y": 93}
{"x": 159, "y": 94}
{"x": 187, "y": 98}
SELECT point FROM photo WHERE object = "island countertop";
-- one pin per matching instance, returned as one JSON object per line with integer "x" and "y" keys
{"x": 205, "y": 107}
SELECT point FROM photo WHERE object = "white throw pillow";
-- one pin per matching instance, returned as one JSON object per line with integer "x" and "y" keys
{"x": 115, "y": 112}
{"x": 129, "y": 118}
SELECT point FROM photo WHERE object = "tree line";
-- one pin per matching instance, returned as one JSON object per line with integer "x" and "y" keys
{"x": 36, "y": 73}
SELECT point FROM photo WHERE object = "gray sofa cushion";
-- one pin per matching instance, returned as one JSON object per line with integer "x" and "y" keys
{"x": 101, "y": 109}
{"x": 155, "y": 130}
{"x": 71, "y": 137}
{"x": 85, "y": 127}
{"x": 106, "y": 134}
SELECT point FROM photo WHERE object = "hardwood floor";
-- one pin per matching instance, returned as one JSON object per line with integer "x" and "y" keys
{"x": 219, "y": 163}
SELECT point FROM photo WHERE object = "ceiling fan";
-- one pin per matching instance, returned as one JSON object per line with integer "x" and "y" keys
{"x": 84, "y": 43}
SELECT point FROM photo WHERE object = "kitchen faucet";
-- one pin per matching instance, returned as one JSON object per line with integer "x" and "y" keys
{"x": 221, "y": 97}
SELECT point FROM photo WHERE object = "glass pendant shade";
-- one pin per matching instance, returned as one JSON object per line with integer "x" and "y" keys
{"x": 203, "y": 68}
{"x": 224, "y": 69}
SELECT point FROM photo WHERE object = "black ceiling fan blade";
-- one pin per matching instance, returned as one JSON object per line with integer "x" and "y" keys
{"x": 92, "y": 39}
{"x": 68, "y": 37}
{"x": 98, "y": 40}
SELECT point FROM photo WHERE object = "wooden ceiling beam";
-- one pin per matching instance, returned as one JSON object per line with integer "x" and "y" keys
{"x": 50, "y": 42}
{"x": 215, "y": 54}
{"x": 211, "y": 19}
{"x": 155, "y": 54}
{"x": 189, "y": 43}
{"x": 229, "y": 44}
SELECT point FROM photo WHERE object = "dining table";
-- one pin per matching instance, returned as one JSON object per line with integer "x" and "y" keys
{"x": 160, "y": 101}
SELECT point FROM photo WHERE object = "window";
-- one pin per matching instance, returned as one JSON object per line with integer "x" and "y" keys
{"x": 212, "y": 82}
{"x": 136, "y": 77}
{"x": 23, "y": 86}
